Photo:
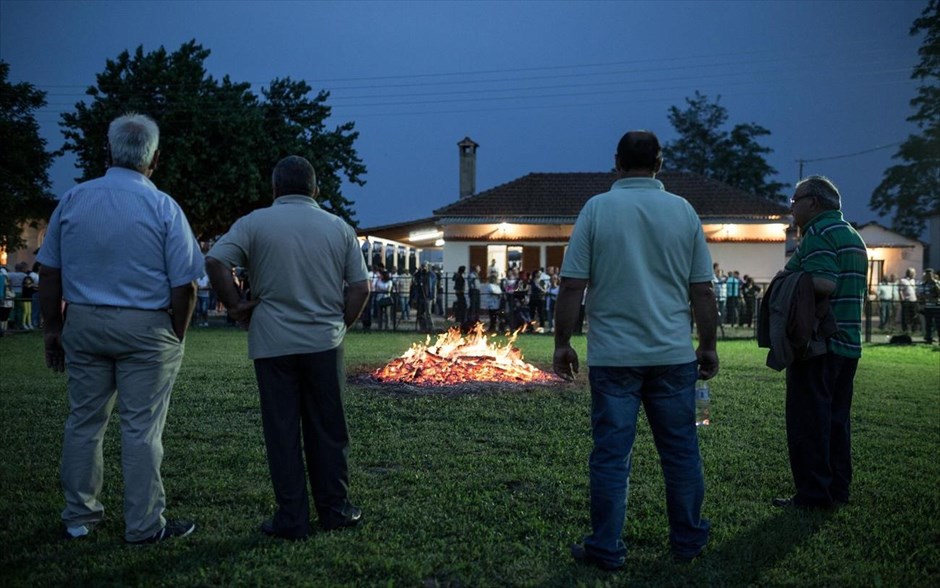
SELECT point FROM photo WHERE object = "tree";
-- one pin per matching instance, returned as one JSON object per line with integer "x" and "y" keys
{"x": 911, "y": 191}
{"x": 734, "y": 157}
{"x": 296, "y": 126}
{"x": 218, "y": 140}
{"x": 24, "y": 161}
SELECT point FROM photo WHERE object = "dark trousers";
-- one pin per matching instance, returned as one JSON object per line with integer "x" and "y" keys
{"x": 819, "y": 399}
{"x": 908, "y": 316}
{"x": 732, "y": 308}
{"x": 304, "y": 394}
{"x": 460, "y": 308}
{"x": 931, "y": 323}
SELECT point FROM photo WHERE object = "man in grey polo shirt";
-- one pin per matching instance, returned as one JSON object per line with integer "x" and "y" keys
{"x": 122, "y": 254}
{"x": 299, "y": 257}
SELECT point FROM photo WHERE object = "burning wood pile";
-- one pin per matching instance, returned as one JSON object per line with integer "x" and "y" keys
{"x": 456, "y": 358}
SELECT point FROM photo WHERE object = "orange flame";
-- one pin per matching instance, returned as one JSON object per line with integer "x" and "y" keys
{"x": 455, "y": 358}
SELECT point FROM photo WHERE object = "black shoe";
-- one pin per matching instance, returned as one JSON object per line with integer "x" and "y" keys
{"x": 267, "y": 527}
{"x": 170, "y": 530}
{"x": 581, "y": 556}
{"x": 792, "y": 503}
{"x": 333, "y": 523}
{"x": 686, "y": 559}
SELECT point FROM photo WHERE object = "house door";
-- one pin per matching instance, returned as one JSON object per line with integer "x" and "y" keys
{"x": 554, "y": 255}
{"x": 478, "y": 257}
{"x": 531, "y": 258}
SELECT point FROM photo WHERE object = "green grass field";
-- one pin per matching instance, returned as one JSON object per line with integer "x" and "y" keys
{"x": 483, "y": 489}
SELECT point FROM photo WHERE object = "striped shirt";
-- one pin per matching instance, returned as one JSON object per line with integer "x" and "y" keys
{"x": 120, "y": 241}
{"x": 831, "y": 250}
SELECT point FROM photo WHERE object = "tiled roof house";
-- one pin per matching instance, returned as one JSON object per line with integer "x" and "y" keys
{"x": 528, "y": 221}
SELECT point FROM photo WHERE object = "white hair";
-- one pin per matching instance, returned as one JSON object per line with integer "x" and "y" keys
{"x": 133, "y": 139}
{"x": 822, "y": 188}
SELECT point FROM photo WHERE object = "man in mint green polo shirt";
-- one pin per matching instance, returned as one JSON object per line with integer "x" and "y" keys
{"x": 309, "y": 283}
{"x": 642, "y": 252}
{"x": 819, "y": 389}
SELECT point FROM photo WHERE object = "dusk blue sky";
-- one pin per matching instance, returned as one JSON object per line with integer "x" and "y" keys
{"x": 541, "y": 86}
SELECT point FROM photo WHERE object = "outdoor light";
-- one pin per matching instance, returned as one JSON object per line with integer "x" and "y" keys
{"x": 425, "y": 235}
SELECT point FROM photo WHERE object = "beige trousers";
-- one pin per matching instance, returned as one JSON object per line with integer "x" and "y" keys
{"x": 130, "y": 357}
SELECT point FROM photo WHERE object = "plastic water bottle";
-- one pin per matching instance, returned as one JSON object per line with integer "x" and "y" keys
{"x": 703, "y": 404}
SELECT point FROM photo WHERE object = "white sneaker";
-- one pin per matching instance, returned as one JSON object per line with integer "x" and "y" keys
{"x": 76, "y": 531}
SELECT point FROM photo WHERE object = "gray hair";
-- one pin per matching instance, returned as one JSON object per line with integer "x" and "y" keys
{"x": 133, "y": 139}
{"x": 294, "y": 175}
{"x": 821, "y": 188}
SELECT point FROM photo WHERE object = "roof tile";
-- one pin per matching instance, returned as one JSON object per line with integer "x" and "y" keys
{"x": 564, "y": 194}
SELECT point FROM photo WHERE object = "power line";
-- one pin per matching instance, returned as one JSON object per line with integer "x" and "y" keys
{"x": 844, "y": 156}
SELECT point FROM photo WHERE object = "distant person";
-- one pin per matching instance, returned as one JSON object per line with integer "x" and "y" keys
{"x": 460, "y": 301}
{"x": 403, "y": 282}
{"x": 15, "y": 279}
{"x": 123, "y": 342}
{"x": 751, "y": 291}
{"x": 202, "y": 301}
{"x": 640, "y": 353}
{"x": 733, "y": 297}
{"x": 6, "y": 300}
{"x": 820, "y": 388}
{"x": 299, "y": 257}
{"x": 36, "y": 312}
{"x": 473, "y": 289}
{"x": 28, "y": 289}
{"x": 887, "y": 296}
{"x": 907, "y": 291}
{"x": 930, "y": 297}
{"x": 491, "y": 296}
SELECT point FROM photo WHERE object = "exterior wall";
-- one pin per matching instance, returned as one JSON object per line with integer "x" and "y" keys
{"x": 896, "y": 260}
{"x": 759, "y": 260}
{"x": 893, "y": 252}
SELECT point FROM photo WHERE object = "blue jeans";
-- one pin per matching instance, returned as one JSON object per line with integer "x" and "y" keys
{"x": 668, "y": 396}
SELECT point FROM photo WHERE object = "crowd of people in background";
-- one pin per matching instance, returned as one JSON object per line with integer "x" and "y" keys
{"x": 907, "y": 303}
{"x": 19, "y": 308}
{"x": 737, "y": 297}
{"x": 506, "y": 301}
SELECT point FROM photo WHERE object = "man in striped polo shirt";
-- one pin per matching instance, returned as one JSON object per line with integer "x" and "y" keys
{"x": 819, "y": 389}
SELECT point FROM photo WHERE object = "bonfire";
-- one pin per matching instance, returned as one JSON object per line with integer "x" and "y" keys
{"x": 456, "y": 358}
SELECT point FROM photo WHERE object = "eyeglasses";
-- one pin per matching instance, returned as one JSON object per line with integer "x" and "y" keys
{"x": 795, "y": 200}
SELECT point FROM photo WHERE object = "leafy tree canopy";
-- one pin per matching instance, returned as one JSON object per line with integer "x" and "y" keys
{"x": 218, "y": 140}
{"x": 705, "y": 147}
{"x": 24, "y": 162}
{"x": 910, "y": 191}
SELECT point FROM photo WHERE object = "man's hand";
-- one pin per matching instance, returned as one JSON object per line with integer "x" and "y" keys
{"x": 565, "y": 362}
{"x": 55, "y": 355}
{"x": 707, "y": 363}
{"x": 241, "y": 312}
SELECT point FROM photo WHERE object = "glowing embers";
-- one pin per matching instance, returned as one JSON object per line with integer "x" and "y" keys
{"x": 455, "y": 358}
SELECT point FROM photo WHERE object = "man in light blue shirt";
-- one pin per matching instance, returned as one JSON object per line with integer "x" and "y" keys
{"x": 643, "y": 252}
{"x": 121, "y": 254}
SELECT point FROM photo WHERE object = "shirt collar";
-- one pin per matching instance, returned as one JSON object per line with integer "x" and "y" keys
{"x": 825, "y": 215}
{"x": 126, "y": 172}
{"x": 638, "y": 183}
{"x": 296, "y": 199}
